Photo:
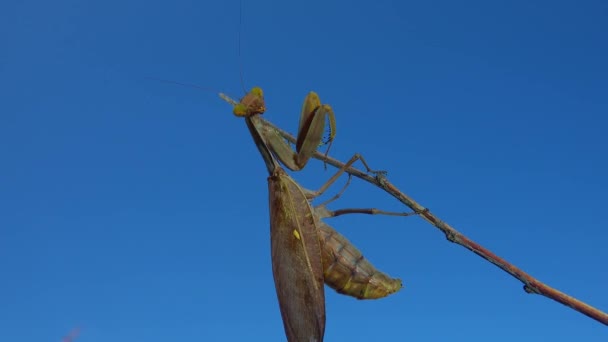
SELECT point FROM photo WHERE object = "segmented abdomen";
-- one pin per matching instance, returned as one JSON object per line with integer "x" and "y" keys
{"x": 347, "y": 271}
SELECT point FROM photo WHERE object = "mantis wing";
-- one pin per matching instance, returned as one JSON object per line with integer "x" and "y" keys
{"x": 296, "y": 260}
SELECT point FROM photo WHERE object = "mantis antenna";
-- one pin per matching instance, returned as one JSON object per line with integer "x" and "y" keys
{"x": 239, "y": 47}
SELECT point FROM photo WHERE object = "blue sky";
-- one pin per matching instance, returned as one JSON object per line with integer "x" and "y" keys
{"x": 137, "y": 210}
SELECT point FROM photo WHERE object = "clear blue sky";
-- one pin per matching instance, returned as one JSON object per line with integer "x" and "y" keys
{"x": 137, "y": 210}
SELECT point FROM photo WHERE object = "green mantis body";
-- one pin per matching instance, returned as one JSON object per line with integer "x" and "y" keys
{"x": 305, "y": 251}
{"x": 345, "y": 268}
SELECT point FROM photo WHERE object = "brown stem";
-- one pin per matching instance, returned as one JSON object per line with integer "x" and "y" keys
{"x": 531, "y": 284}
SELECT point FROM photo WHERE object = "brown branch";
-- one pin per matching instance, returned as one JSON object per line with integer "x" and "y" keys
{"x": 531, "y": 284}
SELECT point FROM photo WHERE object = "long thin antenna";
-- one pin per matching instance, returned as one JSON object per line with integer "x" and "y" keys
{"x": 239, "y": 46}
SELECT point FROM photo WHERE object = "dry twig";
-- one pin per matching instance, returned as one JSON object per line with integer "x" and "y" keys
{"x": 531, "y": 284}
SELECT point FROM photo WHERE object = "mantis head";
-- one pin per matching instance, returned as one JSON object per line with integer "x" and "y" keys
{"x": 251, "y": 104}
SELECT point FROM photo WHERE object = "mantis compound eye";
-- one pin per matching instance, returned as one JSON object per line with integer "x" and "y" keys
{"x": 257, "y": 91}
{"x": 240, "y": 110}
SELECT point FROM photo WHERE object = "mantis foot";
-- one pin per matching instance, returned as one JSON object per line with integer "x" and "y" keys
{"x": 378, "y": 174}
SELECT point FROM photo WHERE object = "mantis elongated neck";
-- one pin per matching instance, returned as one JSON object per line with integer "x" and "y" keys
{"x": 271, "y": 163}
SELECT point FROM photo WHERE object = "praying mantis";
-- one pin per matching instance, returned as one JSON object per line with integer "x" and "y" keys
{"x": 307, "y": 252}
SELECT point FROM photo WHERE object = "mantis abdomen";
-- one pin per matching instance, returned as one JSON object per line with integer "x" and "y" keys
{"x": 348, "y": 272}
